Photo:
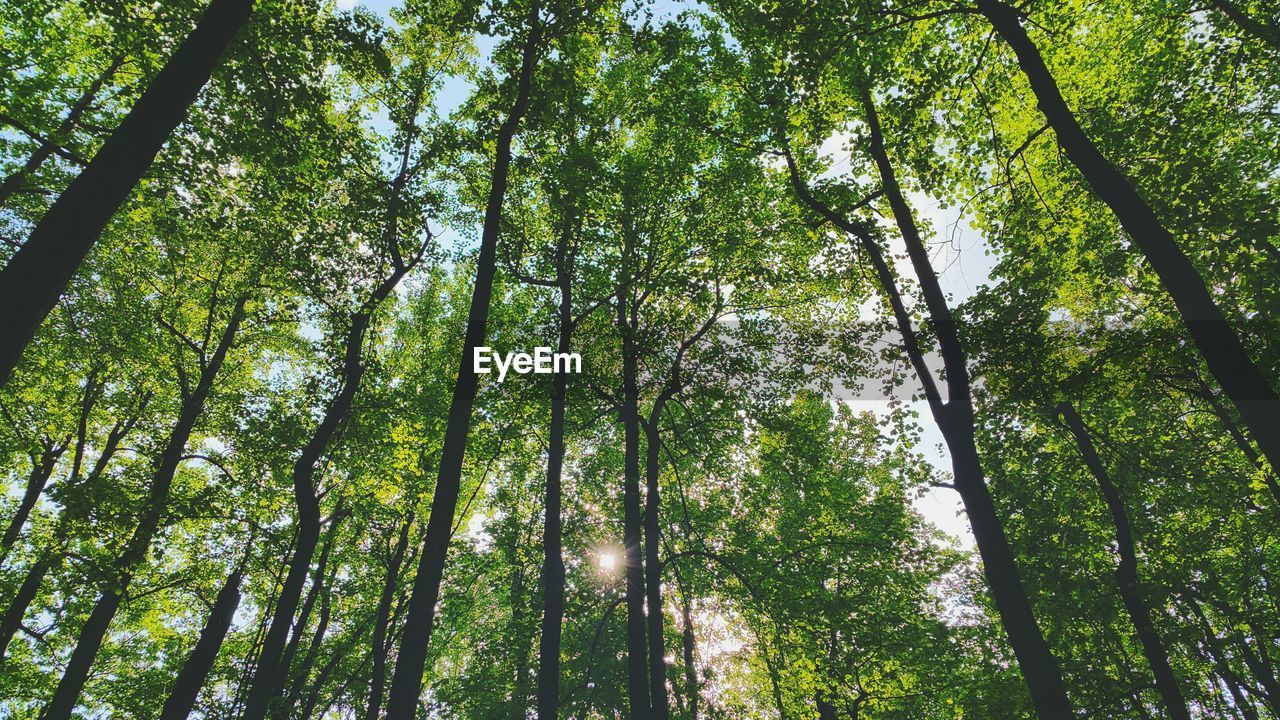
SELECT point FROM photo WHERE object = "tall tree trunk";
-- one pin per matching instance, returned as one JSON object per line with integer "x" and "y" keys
{"x": 553, "y": 572}
{"x": 303, "y": 672}
{"x": 1263, "y": 30}
{"x": 1270, "y": 687}
{"x": 629, "y": 416}
{"x": 269, "y": 677}
{"x": 382, "y": 622}
{"x": 40, "y": 271}
{"x": 1127, "y": 571}
{"x": 687, "y": 637}
{"x": 182, "y": 698}
{"x": 1253, "y": 397}
{"x": 318, "y": 590}
{"x": 661, "y": 705}
{"x": 54, "y": 555}
{"x": 955, "y": 419}
{"x": 135, "y": 551}
{"x": 41, "y": 469}
{"x": 14, "y": 181}
{"x": 406, "y": 681}
{"x": 22, "y": 599}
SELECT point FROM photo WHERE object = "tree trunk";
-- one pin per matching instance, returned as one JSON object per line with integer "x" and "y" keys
{"x": 53, "y": 556}
{"x": 1260, "y": 29}
{"x": 690, "y": 668}
{"x": 553, "y": 572}
{"x": 629, "y": 416}
{"x": 406, "y": 681}
{"x": 182, "y": 698}
{"x": 316, "y": 591}
{"x": 382, "y": 622}
{"x": 303, "y": 673}
{"x": 135, "y": 551}
{"x": 268, "y": 681}
{"x": 1127, "y": 571}
{"x": 41, "y": 470}
{"x": 955, "y": 419}
{"x": 661, "y": 706}
{"x": 22, "y": 600}
{"x": 40, "y": 271}
{"x": 1217, "y": 341}
{"x": 14, "y": 181}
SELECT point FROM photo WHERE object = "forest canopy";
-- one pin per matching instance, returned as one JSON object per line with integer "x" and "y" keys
{"x": 925, "y": 359}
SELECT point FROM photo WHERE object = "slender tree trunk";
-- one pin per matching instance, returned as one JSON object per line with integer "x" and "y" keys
{"x": 956, "y": 421}
{"x": 687, "y": 637}
{"x": 382, "y": 621}
{"x": 182, "y": 698}
{"x": 406, "y": 681}
{"x": 553, "y": 572}
{"x": 53, "y": 556}
{"x": 41, "y": 470}
{"x": 303, "y": 672}
{"x": 38, "y": 274}
{"x": 14, "y": 181}
{"x": 1265, "y": 31}
{"x": 520, "y": 639}
{"x": 1270, "y": 687}
{"x": 629, "y": 416}
{"x": 318, "y": 590}
{"x": 22, "y": 600}
{"x": 1127, "y": 571}
{"x": 661, "y": 706}
{"x": 269, "y": 677}
{"x": 308, "y": 706}
{"x": 135, "y": 551}
{"x": 1254, "y": 397}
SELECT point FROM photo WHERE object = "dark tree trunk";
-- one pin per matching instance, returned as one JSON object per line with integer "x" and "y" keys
{"x": 382, "y": 622}
{"x": 1270, "y": 688}
{"x": 406, "y": 681}
{"x": 182, "y": 698}
{"x": 553, "y": 572}
{"x": 1265, "y": 31}
{"x": 1127, "y": 571}
{"x": 308, "y": 706}
{"x": 318, "y": 590}
{"x": 1239, "y": 377}
{"x": 14, "y": 181}
{"x": 629, "y": 416}
{"x": 690, "y": 668}
{"x": 661, "y": 705}
{"x": 135, "y": 551}
{"x": 41, "y": 469}
{"x": 303, "y": 672}
{"x": 22, "y": 600}
{"x": 40, "y": 271}
{"x": 53, "y": 556}
{"x": 269, "y": 677}
{"x": 956, "y": 421}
